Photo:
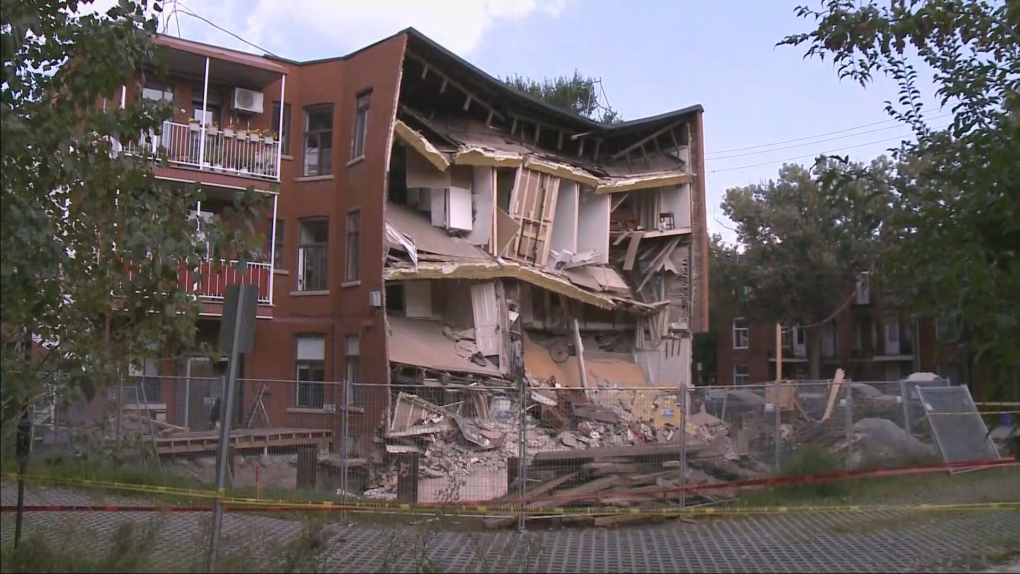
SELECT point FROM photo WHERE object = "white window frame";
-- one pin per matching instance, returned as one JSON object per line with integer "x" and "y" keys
{"x": 741, "y": 334}
{"x": 352, "y": 368}
{"x": 741, "y": 378}
{"x": 309, "y": 357}
{"x": 361, "y": 110}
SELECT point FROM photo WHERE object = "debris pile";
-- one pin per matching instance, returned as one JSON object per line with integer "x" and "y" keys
{"x": 646, "y": 477}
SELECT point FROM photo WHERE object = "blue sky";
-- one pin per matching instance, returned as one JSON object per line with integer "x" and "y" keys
{"x": 652, "y": 56}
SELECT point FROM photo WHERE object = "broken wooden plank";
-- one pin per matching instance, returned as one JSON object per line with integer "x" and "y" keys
{"x": 608, "y": 468}
{"x": 632, "y": 249}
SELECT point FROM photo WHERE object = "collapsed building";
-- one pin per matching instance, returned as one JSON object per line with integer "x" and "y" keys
{"x": 526, "y": 241}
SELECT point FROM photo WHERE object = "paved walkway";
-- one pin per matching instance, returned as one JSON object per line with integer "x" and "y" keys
{"x": 870, "y": 541}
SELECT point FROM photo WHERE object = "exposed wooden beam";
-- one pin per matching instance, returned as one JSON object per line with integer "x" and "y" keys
{"x": 672, "y": 136}
{"x": 450, "y": 81}
{"x": 580, "y": 148}
{"x": 598, "y": 144}
{"x": 538, "y": 131}
{"x": 488, "y": 121}
{"x": 513, "y": 126}
{"x": 467, "y": 104}
{"x": 424, "y": 72}
{"x": 643, "y": 141}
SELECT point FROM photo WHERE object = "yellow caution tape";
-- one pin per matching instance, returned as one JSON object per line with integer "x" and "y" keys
{"x": 266, "y": 505}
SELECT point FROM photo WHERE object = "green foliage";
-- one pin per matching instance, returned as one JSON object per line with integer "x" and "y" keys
{"x": 814, "y": 459}
{"x": 803, "y": 249}
{"x": 577, "y": 93}
{"x": 955, "y": 225}
{"x": 91, "y": 242}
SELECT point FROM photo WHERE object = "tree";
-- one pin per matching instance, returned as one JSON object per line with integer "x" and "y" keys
{"x": 577, "y": 93}
{"x": 804, "y": 250}
{"x": 91, "y": 243}
{"x": 956, "y": 216}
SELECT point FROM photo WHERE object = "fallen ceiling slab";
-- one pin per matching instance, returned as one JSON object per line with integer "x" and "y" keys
{"x": 427, "y": 237}
{"x": 417, "y": 141}
{"x": 421, "y": 343}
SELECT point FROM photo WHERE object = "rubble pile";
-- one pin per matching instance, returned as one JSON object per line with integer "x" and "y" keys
{"x": 646, "y": 477}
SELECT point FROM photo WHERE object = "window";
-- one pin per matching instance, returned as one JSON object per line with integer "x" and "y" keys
{"x": 863, "y": 290}
{"x": 156, "y": 92}
{"x": 310, "y": 367}
{"x": 277, "y": 239}
{"x": 741, "y": 375}
{"x": 318, "y": 141}
{"x": 352, "y": 368}
{"x": 360, "y": 126}
{"x": 285, "y": 131}
{"x": 785, "y": 338}
{"x": 312, "y": 253}
{"x": 740, "y": 334}
{"x": 353, "y": 272}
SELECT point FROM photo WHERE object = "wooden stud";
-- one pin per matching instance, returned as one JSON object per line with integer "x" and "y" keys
{"x": 598, "y": 144}
{"x": 538, "y": 131}
{"x": 424, "y": 72}
{"x": 580, "y": 149}
{"x": 467, "y": 103}
{"x": 488, "y": 121}
{"x": 442, "y": 88}
{"x": 513, "y": 126}
{"x": 559, "y": 142}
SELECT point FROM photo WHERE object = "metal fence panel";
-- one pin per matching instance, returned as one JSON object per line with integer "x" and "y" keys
{"x": 957, "y": 425}
{"x": 884, "y": 436}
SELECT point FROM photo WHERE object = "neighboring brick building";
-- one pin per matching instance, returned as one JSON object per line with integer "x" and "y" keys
{"x": 870, "y": 339}
{"x": 420, "y": 200}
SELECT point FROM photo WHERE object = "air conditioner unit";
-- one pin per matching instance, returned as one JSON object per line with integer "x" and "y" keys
{"x": 247, "y": 101}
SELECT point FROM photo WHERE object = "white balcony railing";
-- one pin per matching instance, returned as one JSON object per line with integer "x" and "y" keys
{"x": 227, "y": 151}
{"x": 216, "y": 275}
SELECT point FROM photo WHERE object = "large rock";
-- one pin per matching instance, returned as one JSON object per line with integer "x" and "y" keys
{"x": 885, "y": 442}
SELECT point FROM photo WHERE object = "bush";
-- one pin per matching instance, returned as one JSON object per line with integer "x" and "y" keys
{"x": 813, "y": 459}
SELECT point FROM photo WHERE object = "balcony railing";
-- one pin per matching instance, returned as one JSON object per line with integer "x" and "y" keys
{"x": 210, "y": 279}
{"x": 234, "y": 152}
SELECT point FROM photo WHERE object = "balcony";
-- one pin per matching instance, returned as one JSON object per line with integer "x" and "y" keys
{"x": 232, "y": 152}
{"x": 210, "y": 280}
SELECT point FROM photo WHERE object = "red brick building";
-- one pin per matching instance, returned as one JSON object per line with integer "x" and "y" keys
{"x": 870, "y": 338}
{"x": 430, "y": 224}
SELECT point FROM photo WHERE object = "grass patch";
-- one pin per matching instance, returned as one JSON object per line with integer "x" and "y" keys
{"x": 992, "y": 485}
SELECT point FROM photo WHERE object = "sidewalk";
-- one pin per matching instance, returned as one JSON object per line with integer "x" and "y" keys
{"x": 869, "y": 541}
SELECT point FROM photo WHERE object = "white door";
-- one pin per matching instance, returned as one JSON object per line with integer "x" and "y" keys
{"x": 892, "y": 336}
{"x": 799, "y": 342}
{"x": 486, "y": 314}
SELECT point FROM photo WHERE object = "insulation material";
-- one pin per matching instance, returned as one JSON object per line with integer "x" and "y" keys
{"x": 423, "y": 174}
{"x": 533, "y": 206}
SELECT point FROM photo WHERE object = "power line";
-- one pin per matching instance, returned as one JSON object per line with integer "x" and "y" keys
{"x": 807, "y": 137}
{"x": 900, "y": 138}
{"x": 189, "y": 12}
{"x": 815, "y": 142}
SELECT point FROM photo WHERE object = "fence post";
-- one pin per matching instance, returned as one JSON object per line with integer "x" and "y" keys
{"x": 848, "y": 389}
{"x": 522, "y": 447}
{"x": 777, "y": 430}
{"x": 345, "y": 401}
{"x": 119, "y": 403}
{"x": 684, "y": 409}
{"x": 905, "y": 398}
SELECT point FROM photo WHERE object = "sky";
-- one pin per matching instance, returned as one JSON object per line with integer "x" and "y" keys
{"x": 763, "y": 104}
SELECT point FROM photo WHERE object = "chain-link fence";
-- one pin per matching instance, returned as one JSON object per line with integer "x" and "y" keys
{"x": 419, "y": 443}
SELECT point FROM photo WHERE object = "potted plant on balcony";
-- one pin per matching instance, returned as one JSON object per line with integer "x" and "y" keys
{"x": 193, "y": 125}
{"x": 242, "y": 134}
{"x": 213, "y": 129}
{"x": 229, "y": 131}
{"x": 269, "y": 137}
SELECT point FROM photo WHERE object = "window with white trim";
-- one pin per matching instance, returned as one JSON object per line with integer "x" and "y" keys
{"x": 740, "y": 334}
{"x": 310, "y": 372}
{"x": 741, "y": 375}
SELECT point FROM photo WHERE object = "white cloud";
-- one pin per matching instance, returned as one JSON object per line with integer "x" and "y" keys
{"x": 308, "y": 29}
